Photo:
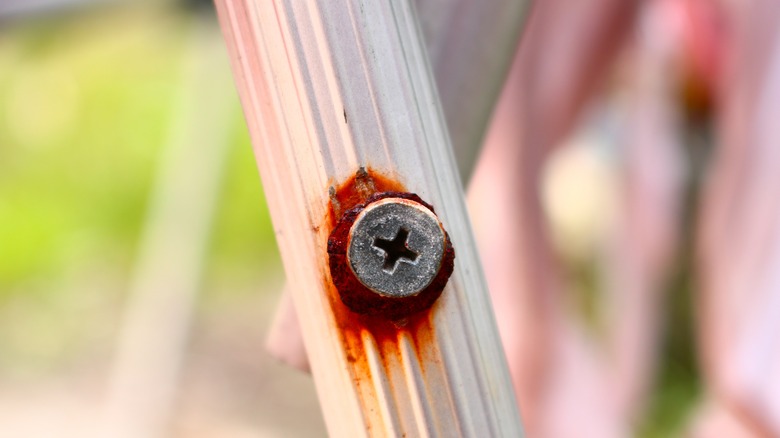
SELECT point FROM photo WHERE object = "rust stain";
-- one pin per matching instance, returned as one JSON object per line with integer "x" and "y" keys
{"x": 353, "y": 293}
{"x": 356, "y": 190}
{"x": 385, "y": 331}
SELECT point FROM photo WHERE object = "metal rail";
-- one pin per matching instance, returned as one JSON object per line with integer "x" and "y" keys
{"x": 328, "y": 89}
{"x": 469, "y": 45}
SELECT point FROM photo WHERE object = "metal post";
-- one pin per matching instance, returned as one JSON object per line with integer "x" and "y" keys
{"x": 340, "y": 93}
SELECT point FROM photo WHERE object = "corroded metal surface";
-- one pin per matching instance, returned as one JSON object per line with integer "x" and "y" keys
{"x": 373, "y": 288}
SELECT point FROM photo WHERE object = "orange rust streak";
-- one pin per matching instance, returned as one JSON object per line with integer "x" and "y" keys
{"x": 358, "y": 188}
{"x": 385, "y": 332}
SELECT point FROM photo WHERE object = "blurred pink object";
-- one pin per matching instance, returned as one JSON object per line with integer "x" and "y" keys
{"x": 285, "y": 340}
{"x": 739, "y": 233}
{"x": 560, "y": 377}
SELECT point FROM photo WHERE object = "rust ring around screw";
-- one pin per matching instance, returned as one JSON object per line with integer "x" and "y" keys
{"x": 362, "y": 299}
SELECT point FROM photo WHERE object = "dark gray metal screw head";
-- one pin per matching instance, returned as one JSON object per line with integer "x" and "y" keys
{"x": 396, "y": 247}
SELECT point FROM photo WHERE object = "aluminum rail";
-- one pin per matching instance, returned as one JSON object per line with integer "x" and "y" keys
{"x": 470, "y": 45}
{"x": 329, "y": 88}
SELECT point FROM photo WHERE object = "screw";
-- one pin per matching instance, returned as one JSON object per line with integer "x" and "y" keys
{"x": 396, "y": 247}
{"x": 390, "y": 256}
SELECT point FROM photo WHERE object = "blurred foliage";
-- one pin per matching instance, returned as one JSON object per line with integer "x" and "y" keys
{"x": 678, "y": 386}
{"x": 86, "y": 104}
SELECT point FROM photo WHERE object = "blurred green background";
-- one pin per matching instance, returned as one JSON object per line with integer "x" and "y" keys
{"x": 87, "y": 105}
{"x": 87, "y": 100}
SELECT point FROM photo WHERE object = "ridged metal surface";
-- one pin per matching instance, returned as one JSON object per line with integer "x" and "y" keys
{"x": 328, "y": 88}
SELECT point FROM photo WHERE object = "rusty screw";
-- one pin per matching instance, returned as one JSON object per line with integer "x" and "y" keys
{"x": 390, "y": 256}
{"x": 395, "y": 247}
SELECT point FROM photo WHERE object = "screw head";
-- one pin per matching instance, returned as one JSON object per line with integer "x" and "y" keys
{"x": 390, "y": 256}
{"x": 396, "y": 247}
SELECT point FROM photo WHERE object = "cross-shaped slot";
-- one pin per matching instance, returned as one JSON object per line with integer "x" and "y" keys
{"x": 395, "y": 250}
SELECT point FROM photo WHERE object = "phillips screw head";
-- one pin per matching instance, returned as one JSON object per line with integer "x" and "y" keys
{"x": 390, "y": 256}
{"x": 396, "y": 247}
